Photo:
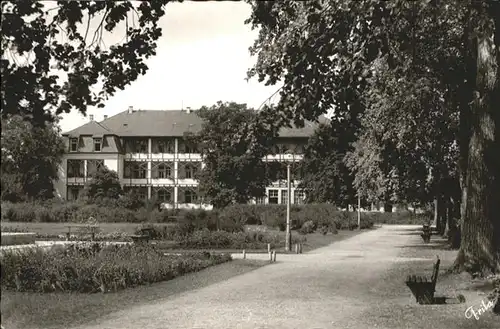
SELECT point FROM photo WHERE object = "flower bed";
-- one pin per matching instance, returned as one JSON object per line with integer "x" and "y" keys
{"x": 93, "y": 267}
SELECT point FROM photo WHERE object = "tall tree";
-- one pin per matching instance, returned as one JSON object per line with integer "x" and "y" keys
{"x": 39, "y": 42}
{"x": 233, "y": 140}
{"x": 325, "y": 52}
{"x": 103, "y": 184}
{"x": 480, "y": 248}
{"x": 30, "y": 159}
{"x": 323, "y": 173}
{"x": 408, "y": 144}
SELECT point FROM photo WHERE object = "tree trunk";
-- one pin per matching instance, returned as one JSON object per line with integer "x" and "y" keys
{"x": 436, "y": 213}
{"x": 465, "y": 96}
{"x": 442, "y": 213}
{"x": 454, "y": 225}
{"x": 480, "y": 247}
{"x": 448, "y": 217}
{"x": 387, "y": 207}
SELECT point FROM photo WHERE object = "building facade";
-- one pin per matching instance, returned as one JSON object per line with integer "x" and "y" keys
{"x": 151, "y": 155}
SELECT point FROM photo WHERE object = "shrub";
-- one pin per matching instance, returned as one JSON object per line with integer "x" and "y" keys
{"x": 94, "y": 267}
{"x": 103, "y": 214}
{"x": 20, "y": 212}
{"x": 205, "y": 239}
{"x": 131, "y": 201}
{"x": 63, "y": 212}
{"x": 324, "y": 216}
{"x": 400, "y": 217}
{"x": 230, "y": 219}
{"x": 247, "y": 215}
{"x": 104, "y": 183}
{"x": 275, "y": 217}
{"x": 308, "y": 227}
{"x": 160, "y": 232}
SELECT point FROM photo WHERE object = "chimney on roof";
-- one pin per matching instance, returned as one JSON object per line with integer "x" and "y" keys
{"x": 105, "y": 116}
{"x": 188, "y": 109}
{"x": 91, "y": 117}
{"x": 130, "y": 109}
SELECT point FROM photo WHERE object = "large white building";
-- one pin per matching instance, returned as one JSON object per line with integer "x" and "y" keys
{"x": 149, "y": 152}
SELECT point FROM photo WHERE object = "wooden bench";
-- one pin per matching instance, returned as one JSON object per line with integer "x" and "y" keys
{"x": 426, "y": 233}
{"x": 423, "y": 288}
{"x": 145, "y": 234}
{"x": 82, "y": 229}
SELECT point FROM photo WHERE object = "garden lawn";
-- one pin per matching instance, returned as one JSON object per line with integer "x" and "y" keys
{"x": 312, "y": 241}
{"x": 64, "y": 310}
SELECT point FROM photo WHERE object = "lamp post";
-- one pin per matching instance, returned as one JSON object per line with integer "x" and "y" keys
{"x": 289, "y": 159}
{"x": 359, "y": 211}
{"x": 288, "y": 239}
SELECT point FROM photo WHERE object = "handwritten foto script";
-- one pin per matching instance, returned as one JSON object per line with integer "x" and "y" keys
{"x": 471, "y": 312}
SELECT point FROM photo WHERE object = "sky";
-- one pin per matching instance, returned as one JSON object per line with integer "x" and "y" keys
{"x": 202, "y": 57}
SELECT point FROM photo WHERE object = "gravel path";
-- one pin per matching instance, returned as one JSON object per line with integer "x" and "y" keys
{"x": 331, "y": 287}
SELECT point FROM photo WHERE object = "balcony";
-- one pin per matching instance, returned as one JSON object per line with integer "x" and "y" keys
{"x": 189, "y": 156}
{"x": 162, "y": 156}
{"x": 283, "y": 157}
{"x": 162, "y": 181}
{"x": 137, "y": 156}
{"x": 134, "y": 181}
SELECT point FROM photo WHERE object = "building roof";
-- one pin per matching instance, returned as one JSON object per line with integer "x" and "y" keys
{"x": 174, "y": 123}
{"x": 90, "y": 128}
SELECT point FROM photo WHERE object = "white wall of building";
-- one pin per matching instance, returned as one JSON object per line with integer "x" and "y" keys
{"x": 114, "y": 161}
{"x": 111, "y": 164}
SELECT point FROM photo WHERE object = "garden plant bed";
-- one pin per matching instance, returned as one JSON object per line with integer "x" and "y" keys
{"x": 94, "y": 267}
{"x": 63, "y": 310}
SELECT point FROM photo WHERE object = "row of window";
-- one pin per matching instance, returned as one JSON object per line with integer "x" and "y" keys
{"x": 133, "y": 169}
{"x": 138, "y": 146}
{"x": 138, "y": 170}
{"x": 168, "y": 146}
{"x": 162, "y": 195}
{"x": 273, "y": 197}
{"x": 74, "y": 144}
{"x": 158, "y": 146}
{"x": 76, "y": 168}
{"x": 165, "y": 195}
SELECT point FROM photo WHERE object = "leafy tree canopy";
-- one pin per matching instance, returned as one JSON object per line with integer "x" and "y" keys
{"x": 326, "y": 54}
{"x": 324, "y": 175}
{"x": 233, "y": 141}
{"x": 103, "y": 184}
{"x": 30, "y": 159}
{"x": 40, "y": 41}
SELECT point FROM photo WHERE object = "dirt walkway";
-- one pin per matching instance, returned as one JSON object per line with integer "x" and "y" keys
{"x": 355, "y": 283}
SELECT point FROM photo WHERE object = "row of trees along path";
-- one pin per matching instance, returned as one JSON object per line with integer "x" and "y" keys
{"x": 414, "y": 86}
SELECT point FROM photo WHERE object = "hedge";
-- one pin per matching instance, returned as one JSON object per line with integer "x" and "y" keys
{"x": 322, "y": 215}
{"x": 93, "y": 267}
{"x": 232, "y": 218}
{"x": 205, "y": 239}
